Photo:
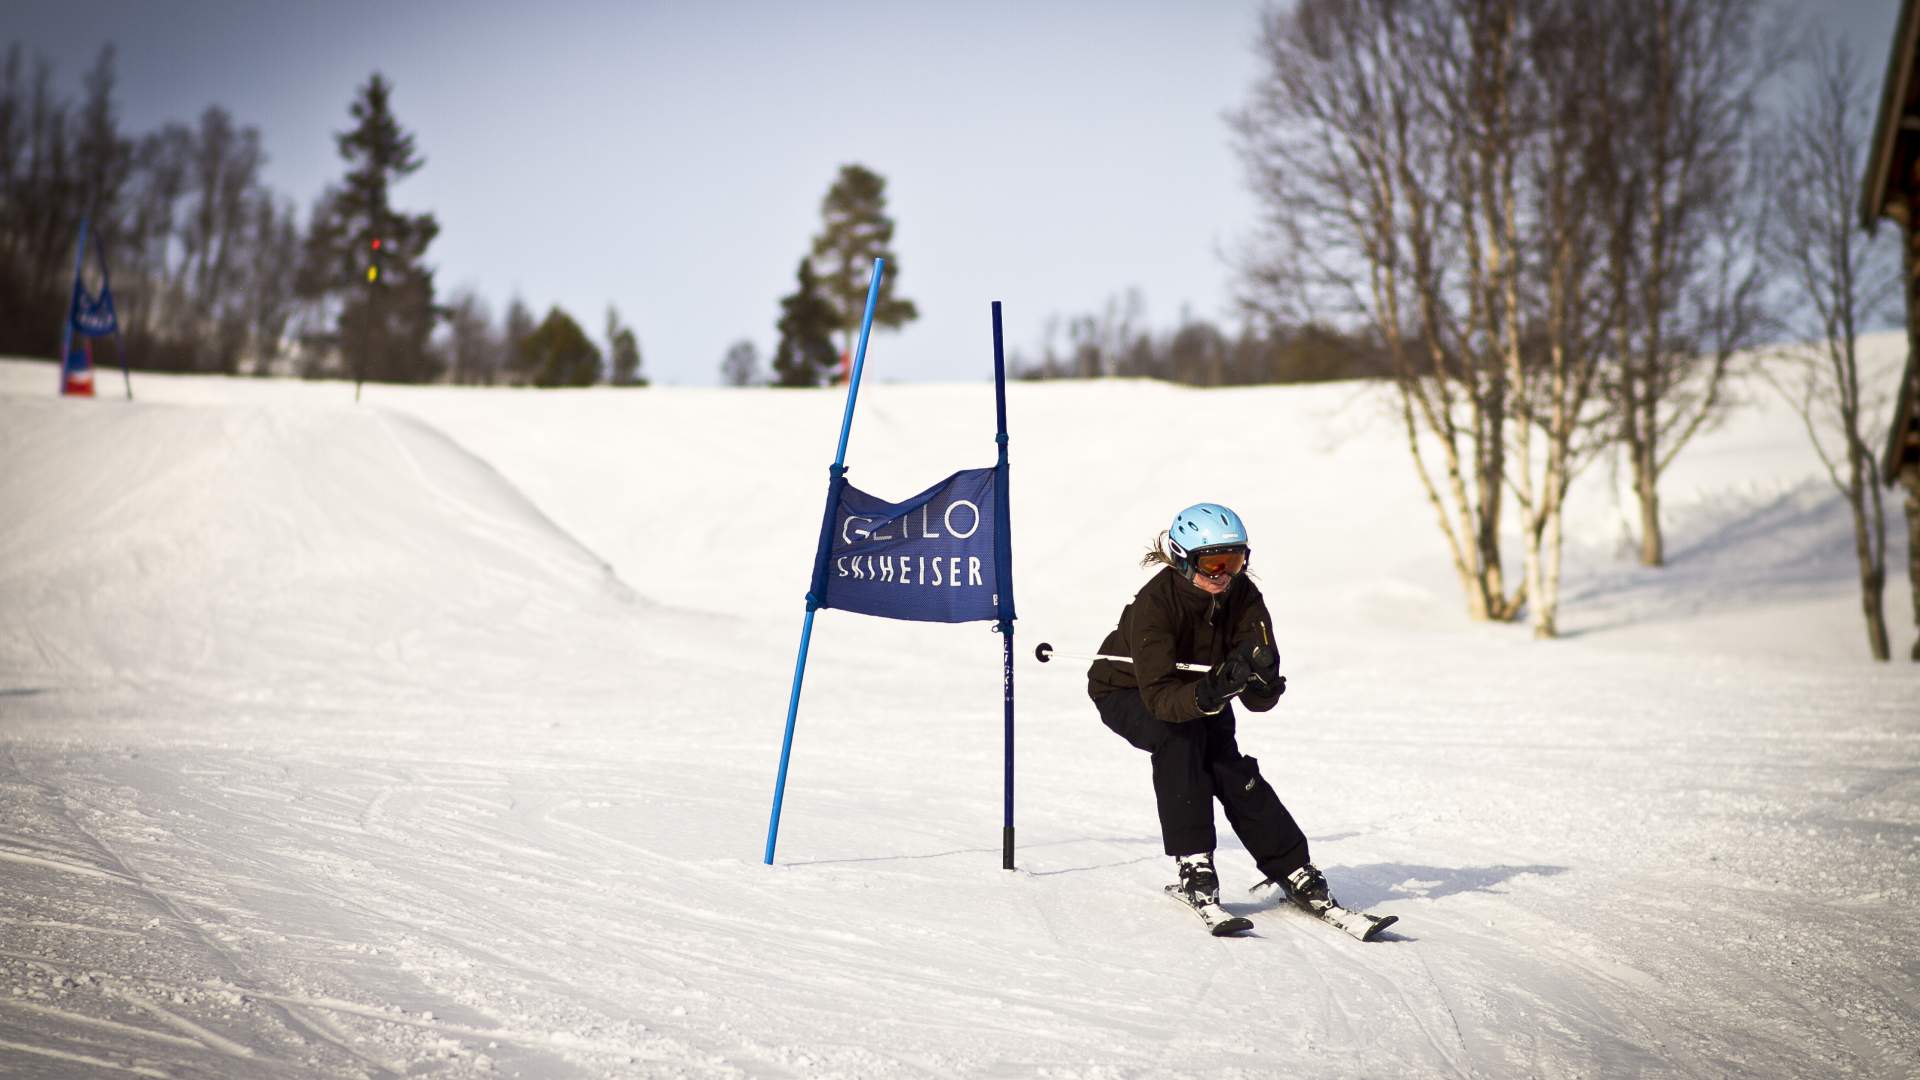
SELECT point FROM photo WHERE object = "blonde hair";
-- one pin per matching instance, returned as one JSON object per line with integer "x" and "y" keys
{"x": 1157, "y": 552}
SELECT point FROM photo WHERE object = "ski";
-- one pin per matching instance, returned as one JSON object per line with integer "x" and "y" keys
{"x": 1220, "y": 922}
{"x": 1360, "y": 924}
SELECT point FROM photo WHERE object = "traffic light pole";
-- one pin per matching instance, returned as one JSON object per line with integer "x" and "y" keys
{"x": 366, "y": 336}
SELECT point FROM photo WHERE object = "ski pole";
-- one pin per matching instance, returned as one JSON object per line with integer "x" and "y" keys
{"x": 1043, "y": 652}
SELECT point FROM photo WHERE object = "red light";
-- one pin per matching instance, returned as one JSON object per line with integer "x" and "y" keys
{"x": 376, "y": 243}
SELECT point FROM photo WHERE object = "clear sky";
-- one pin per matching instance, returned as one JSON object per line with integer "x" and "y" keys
{"x": 670, "y": 158}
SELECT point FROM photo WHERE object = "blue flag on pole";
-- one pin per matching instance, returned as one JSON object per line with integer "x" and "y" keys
{"x": 931, "y": 558}
{"x": 93, "y": 316}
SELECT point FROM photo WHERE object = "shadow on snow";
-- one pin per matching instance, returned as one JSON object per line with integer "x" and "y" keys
{"x": 1360, "y": 888}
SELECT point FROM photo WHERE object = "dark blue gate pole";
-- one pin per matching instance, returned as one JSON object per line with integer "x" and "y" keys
{"x": 838, "y": 481}
{"x": 106, "y": 289}
{"x": 1003, "y": 575}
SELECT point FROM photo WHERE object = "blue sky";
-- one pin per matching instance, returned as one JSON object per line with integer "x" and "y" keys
{"x": 670, "y": 158}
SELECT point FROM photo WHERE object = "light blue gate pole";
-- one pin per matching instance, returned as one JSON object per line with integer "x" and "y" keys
{"x": 838, "y": 473}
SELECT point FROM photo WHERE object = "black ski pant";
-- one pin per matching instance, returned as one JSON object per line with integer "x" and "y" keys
{"x": 1197, "y": 762}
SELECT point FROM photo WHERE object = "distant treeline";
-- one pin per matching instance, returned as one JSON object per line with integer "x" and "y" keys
{"x": 212, "y": 271}
{"x": 203, "y": 255}
{"x": 1115, "y": 342}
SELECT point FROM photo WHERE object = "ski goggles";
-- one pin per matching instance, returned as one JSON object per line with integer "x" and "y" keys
{"x": 1219, "y": 564}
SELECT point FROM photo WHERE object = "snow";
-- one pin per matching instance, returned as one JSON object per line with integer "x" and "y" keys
{"x": 436, "y": 735}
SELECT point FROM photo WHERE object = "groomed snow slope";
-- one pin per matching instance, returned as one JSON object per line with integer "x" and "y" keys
{"x": 436, "y": 736}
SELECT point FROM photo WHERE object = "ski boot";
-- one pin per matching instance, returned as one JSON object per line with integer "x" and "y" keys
{"x": 1307, "y": 888}
{"x": 1199, "y": 884}
{"x": 1199, "y": 889}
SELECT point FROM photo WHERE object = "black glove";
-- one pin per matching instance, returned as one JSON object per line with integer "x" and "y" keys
{"x": 1265, "y": 662}
{"x": 1226, "y": 680}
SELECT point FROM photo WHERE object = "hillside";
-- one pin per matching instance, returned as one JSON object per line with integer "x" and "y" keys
{"x": 437, "y": 735}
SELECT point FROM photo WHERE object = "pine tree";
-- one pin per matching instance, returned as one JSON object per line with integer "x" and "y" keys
{"x": 561, "y": 353}
{"x": 807, "y": 322}
{"x": 856, "y": 231}
{"x": 370, "y": 255}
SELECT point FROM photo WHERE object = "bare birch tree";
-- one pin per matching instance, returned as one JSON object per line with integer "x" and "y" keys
{"x": 475, "y": 353}
{"x": 1842, "y": 280}
{"x": 1537, "y": 206}
{"x": 1682, "y": 263}
{"x": 1570, "y": 148}
{"x": 1382, "y": 195}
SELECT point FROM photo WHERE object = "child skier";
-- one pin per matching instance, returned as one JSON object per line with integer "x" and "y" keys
{"x": 1202, "y": 608}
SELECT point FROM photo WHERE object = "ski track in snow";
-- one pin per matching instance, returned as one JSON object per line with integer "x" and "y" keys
{"x": 386, "y": 741}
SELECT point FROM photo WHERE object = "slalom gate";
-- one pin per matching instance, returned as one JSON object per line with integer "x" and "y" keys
{"x": 89, "y": 316}
{"x": 944, "y": 555}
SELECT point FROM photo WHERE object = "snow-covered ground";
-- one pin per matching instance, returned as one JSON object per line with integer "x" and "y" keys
{"x": 436, "y": 736}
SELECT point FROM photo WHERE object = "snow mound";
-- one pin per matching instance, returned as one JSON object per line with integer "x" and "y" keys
{"x": 250, "y": 541}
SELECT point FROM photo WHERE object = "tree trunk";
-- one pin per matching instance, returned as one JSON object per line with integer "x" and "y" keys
{"x": 1872, "y": 587}
{"x": 1636, "y": 432}
{"x": 1868, "y": 527}
{"x": 1646, "y": 485}
{"x": 1911, "y": 478}
{"x": 1546, "y": 612}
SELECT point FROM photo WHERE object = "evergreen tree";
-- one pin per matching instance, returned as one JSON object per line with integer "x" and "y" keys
{"x": 369, "y": 255}
{"x": 561, "y": 353}
{"x": 856, "y": 231}
{"x": 623, "y": 352}
{"x": 807, "y": 320}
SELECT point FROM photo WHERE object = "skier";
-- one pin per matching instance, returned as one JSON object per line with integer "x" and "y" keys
{"x": 1202, "y": 608}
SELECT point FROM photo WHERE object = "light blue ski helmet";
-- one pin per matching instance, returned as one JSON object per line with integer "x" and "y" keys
{"x": 1204, "y": 527}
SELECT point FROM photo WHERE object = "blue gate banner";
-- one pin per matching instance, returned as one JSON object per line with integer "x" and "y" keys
{"x": 93, "y": 315}
{"x": 931, "y": 558}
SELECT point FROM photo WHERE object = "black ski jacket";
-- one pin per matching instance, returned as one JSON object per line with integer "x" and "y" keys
{"x": 1171, "y": 620}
